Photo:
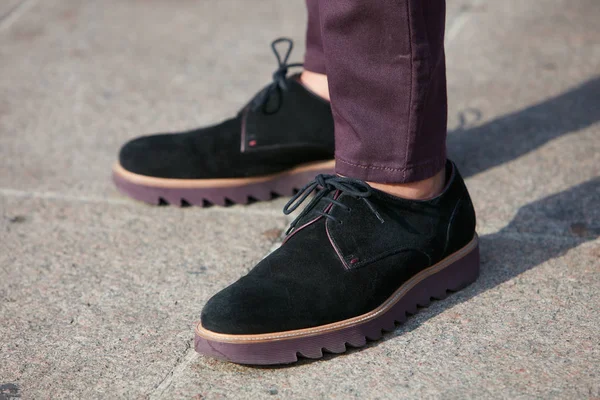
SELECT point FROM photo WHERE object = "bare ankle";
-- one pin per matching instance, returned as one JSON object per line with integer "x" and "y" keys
{"x": 316, "y": 83}
{"x": 420, "y": 190}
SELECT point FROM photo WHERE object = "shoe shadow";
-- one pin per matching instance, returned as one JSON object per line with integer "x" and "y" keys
{"x": 506, "y": 138}
{"x": 554, "y": 225}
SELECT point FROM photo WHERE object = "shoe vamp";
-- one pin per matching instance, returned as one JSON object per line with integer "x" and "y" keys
{"x": 194, "y": 154}
{"x": 218, "y": 153}
{"x": 304, "y": 284}
{"x": 362, "y": 238}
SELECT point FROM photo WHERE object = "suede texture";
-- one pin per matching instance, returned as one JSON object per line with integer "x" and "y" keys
{"x": 293, "y": 127}
{"x": 312, "y": 280}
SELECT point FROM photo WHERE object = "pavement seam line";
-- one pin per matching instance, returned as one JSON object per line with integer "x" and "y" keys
{"x": 122, "y": 202}
{"x": 15, "y": 13}
{"x": 179, "y": 368}
{"x": 456, "y": 25}
{"x": 272, "y": 213}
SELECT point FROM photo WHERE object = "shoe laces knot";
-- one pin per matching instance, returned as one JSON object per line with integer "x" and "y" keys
{"x": 323, "y": 185}
{"x": 280, "y": 82}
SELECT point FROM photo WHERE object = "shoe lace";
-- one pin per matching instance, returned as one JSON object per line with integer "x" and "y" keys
{"x": 326, "y": 184}
{"x": 279, "y": 78}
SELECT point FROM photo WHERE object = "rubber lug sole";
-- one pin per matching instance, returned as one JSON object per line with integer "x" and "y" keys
{"x": 222, "y": 192}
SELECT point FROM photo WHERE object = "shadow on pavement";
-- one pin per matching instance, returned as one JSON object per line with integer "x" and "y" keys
{"x": 572, "y": 217}
{"x": 508, "y": 137}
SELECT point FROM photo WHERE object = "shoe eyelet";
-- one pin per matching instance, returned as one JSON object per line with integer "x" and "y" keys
{"x": 349, "y": 209}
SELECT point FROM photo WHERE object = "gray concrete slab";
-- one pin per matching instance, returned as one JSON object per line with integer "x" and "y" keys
{"x": 98, "y": 293}
{"x": 99, "y": 300}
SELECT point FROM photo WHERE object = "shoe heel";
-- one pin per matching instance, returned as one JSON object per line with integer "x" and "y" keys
{"x": 458, "y": 272}
{"x": 462, "y": 272}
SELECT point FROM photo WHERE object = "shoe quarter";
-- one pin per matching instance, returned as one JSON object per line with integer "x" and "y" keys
{"x": 298, "y": 122}
{"x": 361, "y": 238}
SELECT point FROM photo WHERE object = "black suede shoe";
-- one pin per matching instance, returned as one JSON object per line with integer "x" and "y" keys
{"x": 356, "y": 261}
{"x": 275, "y": 144}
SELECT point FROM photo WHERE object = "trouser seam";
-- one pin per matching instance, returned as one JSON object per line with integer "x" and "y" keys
{"x": 412, "y": 72}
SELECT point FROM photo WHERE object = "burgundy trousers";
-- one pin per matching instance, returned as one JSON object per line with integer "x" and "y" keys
{"x": 385, "y": 64}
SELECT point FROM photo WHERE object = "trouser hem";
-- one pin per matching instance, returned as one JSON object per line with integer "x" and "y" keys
{"x": 314, "y": 62}
{"x": 389, "y": 174}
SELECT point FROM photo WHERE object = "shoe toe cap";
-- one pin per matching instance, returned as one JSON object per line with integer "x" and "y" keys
{"x": 163, "y": 156}
{"x": 249, "y": 306}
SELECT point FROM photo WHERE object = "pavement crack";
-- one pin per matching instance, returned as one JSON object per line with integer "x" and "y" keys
{"x": 181, "y": 365}
{"x": 456, "y": 24}
{"x": 15, "y": 13}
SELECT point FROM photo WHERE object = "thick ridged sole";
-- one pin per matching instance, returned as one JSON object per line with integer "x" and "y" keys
{"x": 451, "y": 274}
{"x": 223, "y": 192}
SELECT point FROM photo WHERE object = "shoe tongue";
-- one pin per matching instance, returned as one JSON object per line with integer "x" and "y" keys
{"x": 274, "y": 99}
{"x": 274, "y": 102}
{"x": 297, "y": 83}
